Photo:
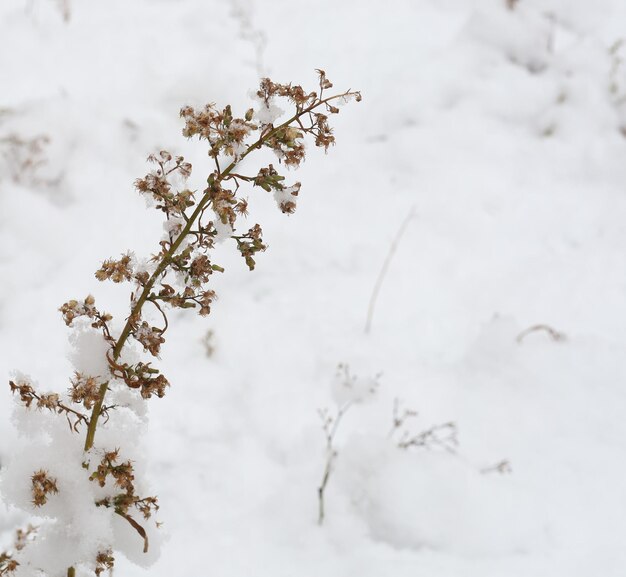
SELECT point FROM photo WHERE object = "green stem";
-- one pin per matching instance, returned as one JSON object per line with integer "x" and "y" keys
{"x": 167, "y": 257}
{"x": 117, "y": 351}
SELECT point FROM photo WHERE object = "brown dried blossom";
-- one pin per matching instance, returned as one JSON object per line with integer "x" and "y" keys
{"x": 205, "y": 300}
{"x": 154, "y": 386}
{"x": 268, "y": 90}
{"x": 49, "y": 401}
{"x": 42, "y": 486}
{"x": 84, "y": 390}
{"x": 224, "y": 133}
{"x": 223, "y": 202}
{"x": 324, "y": 135}
{"x": 141, "y": 376}
{"x": 286, "y": 141}
{"x": 287, "y": 201}
{"x": 242, "y": 207}
{"x": 116, "y": 270}
{"x": 122, "y": 473}
{"x": 157, "y": 184}
{"x": 73, "y": 309}
{"x": 142, "y": 277}
{"x": 200, "y": 270}
{"x": 7, "y": 564}
{"x": 150, "y": 337}
{"x": 105, "y": 561}
{"x": 288, "y": 207}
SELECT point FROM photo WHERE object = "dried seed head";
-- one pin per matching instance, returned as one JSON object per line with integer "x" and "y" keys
{"x": 85, "y": 390}
{"x": 73, "y": 309}
{"x": 150, "y": 337}
{"x": 42, "y": 486}
{"x": 116, "y": 270}
{"x": 104, "y": 562}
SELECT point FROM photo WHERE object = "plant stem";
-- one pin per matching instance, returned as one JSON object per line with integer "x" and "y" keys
{"x": 384, "y": 268}
{"x": 117, "y": 351}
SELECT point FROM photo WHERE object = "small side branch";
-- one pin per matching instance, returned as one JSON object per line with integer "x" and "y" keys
{"x": 443, "y": 436}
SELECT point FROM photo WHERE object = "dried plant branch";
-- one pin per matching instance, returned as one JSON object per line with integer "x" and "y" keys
{"x": 330, "y": 425}
{"x": 349, "y": 390}
{"x": 177, "y": 276}
{"x": 444, "y": 436}
{"x": 268, "y": 137}
{"x": 29, "y": 397}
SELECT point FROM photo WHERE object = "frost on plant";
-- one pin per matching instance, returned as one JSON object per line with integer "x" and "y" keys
{"x": 74, "y": 468}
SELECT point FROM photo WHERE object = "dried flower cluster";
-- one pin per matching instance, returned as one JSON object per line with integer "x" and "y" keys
{"x": 177, "y": 276}
{"x": 123, "y": 476}
{"x": 43, "y": 485}
{"x": 104, "y": 562}
{"x": 84, "y": 390}
{"x": 8, "y": 565}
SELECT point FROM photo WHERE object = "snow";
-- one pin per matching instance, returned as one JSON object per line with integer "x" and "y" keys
{"x": 268, "y": 113}
{"x": 503, "y": 131}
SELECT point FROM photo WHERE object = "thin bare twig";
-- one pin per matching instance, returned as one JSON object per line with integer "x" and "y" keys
{"x": 330, "y": 425}
{"x": 385, "y": 267}
{"x": 553, "y": 333}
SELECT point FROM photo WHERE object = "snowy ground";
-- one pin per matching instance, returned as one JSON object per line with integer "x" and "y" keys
{"x": 502, "y": 129}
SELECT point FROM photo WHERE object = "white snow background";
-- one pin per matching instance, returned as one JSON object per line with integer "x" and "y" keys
{"x": 502, "y": 129}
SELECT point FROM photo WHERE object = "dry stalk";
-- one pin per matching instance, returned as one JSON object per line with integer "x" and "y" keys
{"x": 330, "y": 426}
{"x": 385, "y": 268}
